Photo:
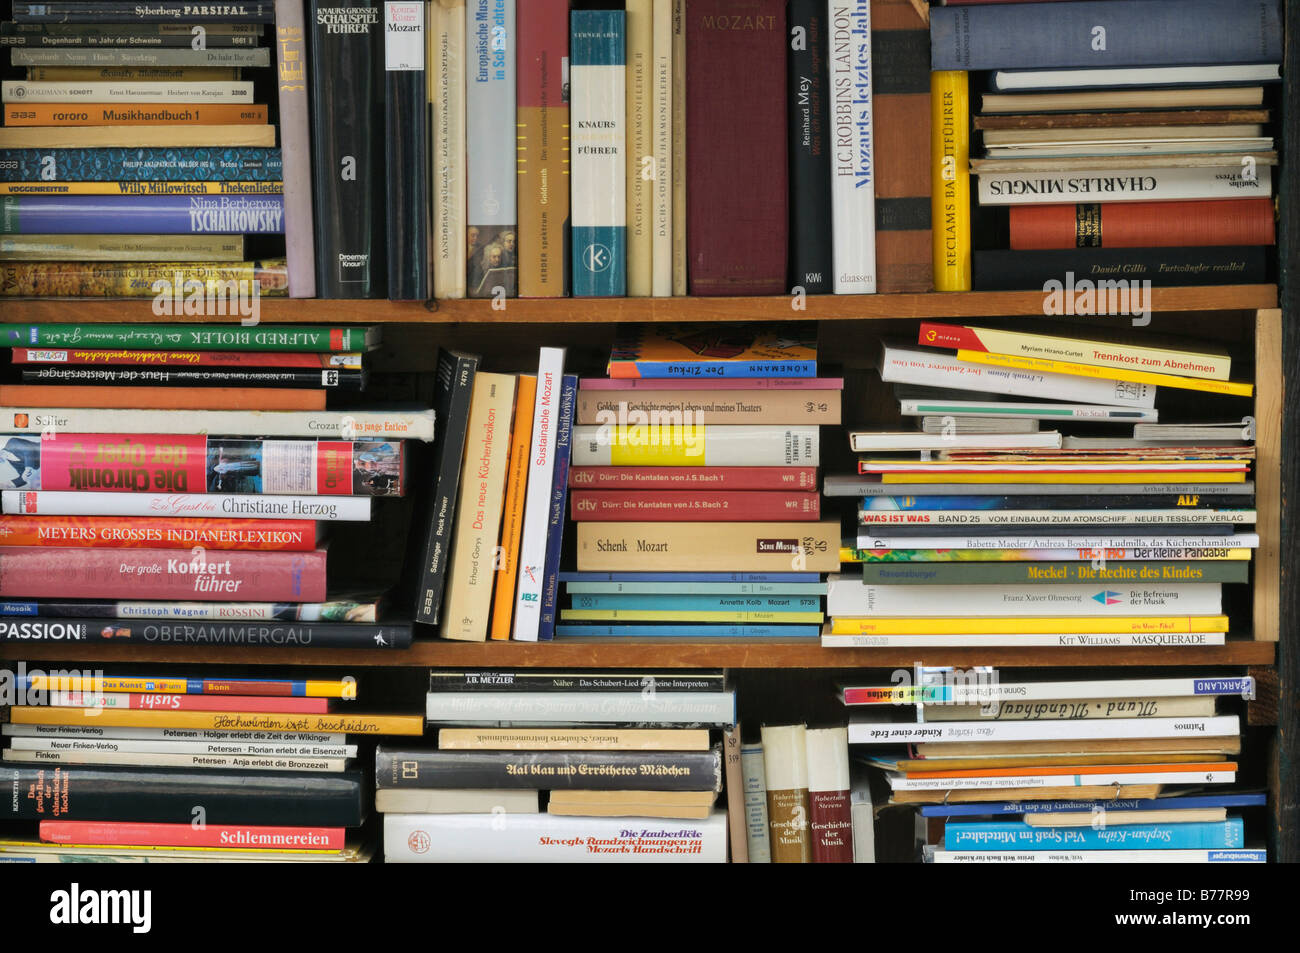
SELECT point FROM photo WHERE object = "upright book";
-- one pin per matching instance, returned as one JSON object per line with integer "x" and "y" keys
{"x": 811, "y": 264}
{"x": 853, "y": 169}
{"x": 446, "y": 71}
{"x": 295, "y": 146}
{"x": 406, "y": 123}
{"x": 491, "y": 157}
{"x": 545, "y": 426}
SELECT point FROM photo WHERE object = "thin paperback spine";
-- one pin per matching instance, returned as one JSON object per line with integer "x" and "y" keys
{"x": 363, "y": 425}
{"x": 550, "y": 595}
{"x": 165, "y": 11}
{"x": 354, "y": 610}
{"x": 295, "y": 147}
{"x": 867, "y": 732}
{"x": 507, "y": 563}
{"x": 638, "y": 48}
{"x": 143, "y": 165}
{"x": 717, "y": 479}
{"x": 533, "y": 546}
{"x": 491, "y": 247}
{"x": 186, "y": 835}
{"x": 446, "y": 67}
{"x": 950, "y": 179}
{"x": 141, "y": 214}
{"x": 53, "y": 503}
{"x": 295, "y": 378}
{"x": 678, "y": 171}
{"x": 755, "y": 800}
{"x": 406, "y": 120}
{"x": 661, "y": 207}
{"x": 853, "y": 191}
{"x": 186, "y": 631}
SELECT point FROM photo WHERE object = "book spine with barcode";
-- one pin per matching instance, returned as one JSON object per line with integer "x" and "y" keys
{"x": 406, "y": 120}
{"x": 559, "y": 496}
{"x": 295, "y": 147}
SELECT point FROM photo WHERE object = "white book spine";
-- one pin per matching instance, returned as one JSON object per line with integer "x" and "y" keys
{"x": 302, "y": 424}
{"x": 1124, "y": 185}
{"x": 447, "y": 75}
{"x": 713, "y": 445}
{"x": 710, "y": 708}
{"x": 662, "y": 139}
{"x": 216, "y": 505}
{"x": 233, "y": 762}
{"x": 868, "y": 732}
{"x": 848, "y": 596}
{"x": 127, "y": 746}
{"x": 171, "y": 734}
{"x": 1145, "y": 547}
{"x": 760, "y": 848}
{"x": 16, "y": 91}
{"x": 1099, "y": 857}
{"x": 982, "y": 692}
{"x": 853, "y": 178}
{"x": 960, "y": 408}
{"x": 897, "y": 783}
{"x": 932, "y": 369}
{"x": 534, "y": 838}
{"x": 867, "y": 442}
{"x": 537, "y": 497}
{"x": 1096, "y": 640}
{"x": 945, "y": 518}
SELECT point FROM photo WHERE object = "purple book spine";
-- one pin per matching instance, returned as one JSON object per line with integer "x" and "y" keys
{"x": 295, "y": 147}
{"x": 559, "y": 496}
{"x": 141, "y": 214}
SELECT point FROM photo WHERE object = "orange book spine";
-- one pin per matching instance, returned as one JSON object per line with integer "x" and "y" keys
{"x": 132, "y": 532}
{"x": 136, "y": 114}
{"x": 160, "y": 398}
{"x": 503, "y": 598}
{"x": 1143, "y": 224}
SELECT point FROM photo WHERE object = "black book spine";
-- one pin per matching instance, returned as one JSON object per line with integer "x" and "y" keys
{"x": 173, "y": 795}
{"x": 329, "y": 378}
{"x": 455, "y": 388}
{"x": 811, "y": 266}
{"x": 347, "y": 88}
{"x": 155, "y": 11}
{"x": 1003, "y": 270}
{"x": 480, "y": 681}
{"x": 261, "y": 634}
{"x": 582, "y": 770}
{"x": 407, "y": 137}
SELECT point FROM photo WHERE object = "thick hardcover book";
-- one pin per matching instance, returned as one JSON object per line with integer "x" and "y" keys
{"x": 811, "y": 264}
{"x": 347, "y": 152}
{"x": 615, "y": 505}
{"x": 1142, "y": 224}
{"x": 124, "y": 56}
{"x": 142, "y": 165}
{"x": 580, "y": 770}
{"x": 647, "y": 547}
{"x": 549, "y": 838}
{"x": 123, "y": 214}
{"x": 1015, "y": 573}
{"x": 1104, "y": 34}
{"x": 378, "y": 425}
{"x": 950, "y": 179}
{"x": 900, "y": 54}
{"x": 785, "y": 763}
{"x": 711, "y": 352}
{"x": 454, "y": 380}
{"x": 599, "y": 155}
{"x": 853, "y": 171}
{"x": 96, "y": 11}
{"x": 696, "y": 406}
{"x": 507, "y": 562}
{"x": 225, "y": 836}
{"x": 184, "y": 631}
{"x": 491, "y": 242}
{"x": 714, "y": 445}
{"x": 207, "y": 377}
{"x": 692, "y": 708}
{"x": 169, "y": 795}
{"x": 694, "y": 478}
{"x": 737, "y": 220}
{"x": 295, "y": 146}
{"x": 176, "y": 533}
{"x": 406, "y": 125}
{"x": 350, "y": 610}
{"x": 550, "y": 591}
{"x": 37, "y": 572}
{"x": 530, "y": 680}
{"x": 1011, "y": 182}
{"x": 143, "y": 114}
{"x": 143, "y": 337}
{"x": 830, "y": 821}
{"x": 126, "y": 463}
{"x": 446, "y": 73}
{"x": 544, "y": 134}
{"x": 539, "y": 474}
{"x": 638, "y": 46}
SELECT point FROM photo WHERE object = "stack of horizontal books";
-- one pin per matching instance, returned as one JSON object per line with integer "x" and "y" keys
{"x": 694, "y": 486}
{"x": 1141, "y": 153}
{"x": 1032, "y": 771}
{"x": 982, "y": 529}
{"x": 548, "y": 766}
{"x": 133, "y": 157}
{"x": 130, "y": 768}
{"x": 149, "y": 496}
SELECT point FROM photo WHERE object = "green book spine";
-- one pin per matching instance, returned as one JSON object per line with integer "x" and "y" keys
{"x": 1055, "y": 573}
{"x": 226, "y": 337}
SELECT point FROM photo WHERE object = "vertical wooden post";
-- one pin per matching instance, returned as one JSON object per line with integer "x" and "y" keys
{"x": 1269, "y": 402}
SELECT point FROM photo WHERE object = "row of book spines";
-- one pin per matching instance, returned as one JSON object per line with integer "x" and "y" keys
{"x": 803, "y": 776}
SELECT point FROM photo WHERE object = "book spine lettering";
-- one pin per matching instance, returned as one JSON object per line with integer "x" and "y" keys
{"x": 406, "y": 121}
{"x": 491, "y": 250}
{"x": 853, "y": 172}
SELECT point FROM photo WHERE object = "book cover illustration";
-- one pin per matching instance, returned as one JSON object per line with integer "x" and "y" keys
{"x": 731, "y": 350}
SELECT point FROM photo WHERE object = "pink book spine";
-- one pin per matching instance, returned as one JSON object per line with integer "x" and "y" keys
{"x": 803, "y": 479}
{"x": 123, "y": 463}
{"x": 230, "y": 836}
{"x": 295, "y": 147}
{"x": 692, "y": 506}
{"x": 156, "y": 701}
{"x": 722, "y": 383}
{"x": 62, "y": 572}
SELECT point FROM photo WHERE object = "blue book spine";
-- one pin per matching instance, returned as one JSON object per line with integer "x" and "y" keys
{"x": 676, "y": 577}
{"x": 1120, "y": 804}
{"x": 701, "y": 588}
{"x": 559, "y": 498}
{"x": 588, "y": 630}
{"x": 141, "y": 214}
{"x": 1000, "y": 835}
{"x": 597, "y": 157}
{"x": 704, "y": 603}
{"x": 1100, "y": 34}
{"x": 247, "y": 164}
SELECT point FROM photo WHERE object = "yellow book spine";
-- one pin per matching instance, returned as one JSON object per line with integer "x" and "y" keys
{"x": 512, "y": 520}
{"x": 686, "y": 615}
{"x": 141, "y": 188}
{"x": 218, "y": 720}
{"x": 950, "y": 179}
{"x": 1138, "y": 476}
{"x": 1029, "y": 625}
{"x": 1103, "y": 353}
{"x": 1228, "y": 388}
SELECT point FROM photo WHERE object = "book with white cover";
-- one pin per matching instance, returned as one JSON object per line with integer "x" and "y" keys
{"x": 1022, "y": 640}
{"x": 1154, "y": 856}
{"x": 1119, "y": 100}
{"x": 260, "y": 762}
{"x": 1083, "y": 79}
{"x": 962, "y": 424}
{"x": 866, "y": 729}
{"x": 172, "y": 734}
{"x": 280, "y": 749}
{"x": 708, "y": 708}
{"x": 217, "y": 505}
{"x": 1027, "y": 182}
{"x": 760, "y": 847}
{"x": 397, "y": 424}
{"x": 17, "y": 91}
{"x": 1084, "y": 775}
{"x": 975, "y": 690}
{"x": 537, "y": 498}
{"x": 863, "y": 441}
{"x": 853, "y": 173}
{"x": 552, "y": 838}
{"x": 1148, "y": 544}
{"x": 456, "y": 801}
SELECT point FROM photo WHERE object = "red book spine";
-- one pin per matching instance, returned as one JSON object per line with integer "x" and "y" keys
{"x": 130, "y": 532}
{"x": 1143, "y": 224}
{"x": 803, "y": 479}
{"x": 45, "y": 355}
{"x": 229, "y": 836}
{"x": 830, "y": 825}
{"x": 692, "y": 505}
{"x": 736, "y": 138}
{"x": 950, "y": 336}
{"x": 50, "y": 572}
{"x": 157, "y": 701}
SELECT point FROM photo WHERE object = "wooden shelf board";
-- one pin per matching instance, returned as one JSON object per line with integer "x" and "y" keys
{"x": 666, "y": 653}
{"x": 607, "y": 310}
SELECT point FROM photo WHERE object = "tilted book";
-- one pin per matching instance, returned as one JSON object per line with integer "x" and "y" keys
{"x": 507, "y": 563}
{"x": 540, "y": 469}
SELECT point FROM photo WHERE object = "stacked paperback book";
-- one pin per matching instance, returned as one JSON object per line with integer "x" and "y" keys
{"x": 148, "y": 497}
{"x": 548, "y": 766}
{"x": 694, "y": 487}
{"x": 1139, "y": 154}
{"x": 134, "y": 159}
{"x": 128, "y": 768}
{"x": 1105, "y": 771}
{"x": 982, "y": 529}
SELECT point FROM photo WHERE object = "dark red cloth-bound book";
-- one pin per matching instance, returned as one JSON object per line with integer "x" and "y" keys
{"x": 736, "y": 180}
